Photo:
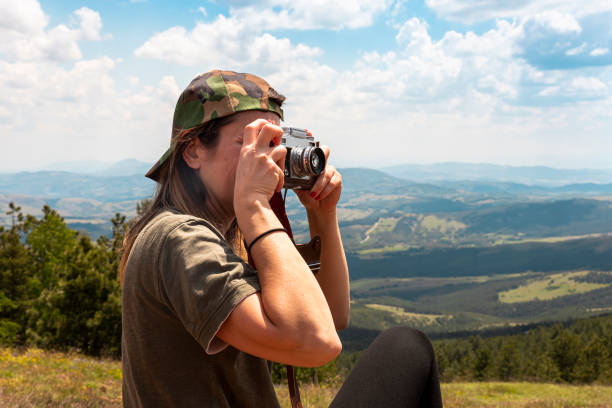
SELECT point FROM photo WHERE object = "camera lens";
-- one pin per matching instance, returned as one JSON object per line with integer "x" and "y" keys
{"x": 317, "y": 161}
{"x": 307, "y": 161}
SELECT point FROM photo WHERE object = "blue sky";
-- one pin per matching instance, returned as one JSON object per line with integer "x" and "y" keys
{"x": 524, "y": 82}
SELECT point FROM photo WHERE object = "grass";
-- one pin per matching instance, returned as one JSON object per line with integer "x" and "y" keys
{"x": 549, "y": 287}
{"x": 486, "y": 395}
{"x": 444, "y": 225}
{"x": 34, "y": 377}
{"x": 384, "y": 250}
{"x": 402, "y": 316}
{"x": 380, "y": 226}
{"x": 525, "y": 395}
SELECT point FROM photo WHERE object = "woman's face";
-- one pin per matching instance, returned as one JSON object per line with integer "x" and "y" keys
{"x": 218, "y": 165}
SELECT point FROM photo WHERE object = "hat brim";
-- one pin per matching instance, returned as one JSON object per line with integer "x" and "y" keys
{"x": 155, "y": 171}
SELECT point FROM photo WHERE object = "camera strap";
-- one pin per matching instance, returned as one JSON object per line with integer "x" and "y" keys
{"x": 278, "y": 206}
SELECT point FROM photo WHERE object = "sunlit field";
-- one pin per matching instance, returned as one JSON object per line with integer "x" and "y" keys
{"x": 33, "y": 378}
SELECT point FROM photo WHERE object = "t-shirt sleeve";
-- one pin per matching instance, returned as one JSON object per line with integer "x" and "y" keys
{"x": 202, "y": 280}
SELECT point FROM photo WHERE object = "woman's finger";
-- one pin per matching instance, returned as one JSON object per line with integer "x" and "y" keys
{"x": 251, "y": 131}
{"x": 334, "y": 183}
{"x": 325, "y": 151}
{"x": 322, "y": 181}
{"x": 278, "y": 154}
{"x": 269, "y": 135}
{"x": 281, "y": 180}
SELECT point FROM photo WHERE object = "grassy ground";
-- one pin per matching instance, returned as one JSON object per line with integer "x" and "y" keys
{"x": 33, "y": 378}
{"x": 550, "y": 287}
{"x": 408, "y": 317}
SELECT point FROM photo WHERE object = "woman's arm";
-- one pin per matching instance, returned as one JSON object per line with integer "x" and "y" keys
{"x": 333, "y": 276}
{"x": 321, "y": 207}
{"x": 289, "y": 321}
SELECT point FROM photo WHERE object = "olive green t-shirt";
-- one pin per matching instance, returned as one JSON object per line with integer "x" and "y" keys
{"x": 181, "y": 281}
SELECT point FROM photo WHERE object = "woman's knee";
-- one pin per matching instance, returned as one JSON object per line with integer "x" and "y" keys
{"x": 406, "y": 339}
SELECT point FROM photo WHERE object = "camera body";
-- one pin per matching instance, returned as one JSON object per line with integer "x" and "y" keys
{"x": 305, "y": 160}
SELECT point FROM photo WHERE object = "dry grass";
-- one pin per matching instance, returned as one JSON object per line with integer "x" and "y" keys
{"x": 35, "y": 378}
{"x": 525, "y": 395}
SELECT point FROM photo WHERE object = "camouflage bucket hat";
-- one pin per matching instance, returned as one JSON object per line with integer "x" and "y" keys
{"x": 213, "y": 95}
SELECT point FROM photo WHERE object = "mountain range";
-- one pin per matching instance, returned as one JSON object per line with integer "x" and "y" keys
{"x": 437, "y": 247}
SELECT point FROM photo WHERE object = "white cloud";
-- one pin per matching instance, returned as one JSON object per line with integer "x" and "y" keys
{"x": 58, "y": 106}
{"x": 464, "y": 96}
{"x": 25, "y": 17}
{"x": 244, "y": 39}
{"x": 90, "y": 24}
{"x": 224, "y": 42}
{"x": 24, "y": 34}
{"x": 591, "y": 85}
{"x": 423, "y": 69}
{"x": 447, "y": 99}
{"x": 309, "y": 14}
{"x": 59, "y": 114}
{"x": 576, "y": 51}
{"x": 557, "y": 22}
{"x": 599, "y": 52}
{"x": 471, "y": 11}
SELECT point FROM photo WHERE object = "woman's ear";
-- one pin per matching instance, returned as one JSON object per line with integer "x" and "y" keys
{"x": 192, "y": 154}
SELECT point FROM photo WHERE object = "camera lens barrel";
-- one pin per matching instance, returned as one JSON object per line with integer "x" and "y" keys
{"x": 307, "y": 161}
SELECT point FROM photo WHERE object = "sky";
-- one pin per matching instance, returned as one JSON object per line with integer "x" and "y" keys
{"x": 386, "y": 82}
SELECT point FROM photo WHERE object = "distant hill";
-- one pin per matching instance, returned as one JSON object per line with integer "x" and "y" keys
{"x": 504, "y": 187}
{"x": 591, "y": 253}
{"x": 363, "y": 180}
{"x": 125, "y": 167}
{"x": 60, "y": 184}
{"x": 530, "y": 175}
{"x": 378, "y": 211}
{"x": 549, "y": 218}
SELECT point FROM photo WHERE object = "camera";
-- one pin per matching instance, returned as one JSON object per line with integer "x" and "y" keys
{"x": 305, "y": 160}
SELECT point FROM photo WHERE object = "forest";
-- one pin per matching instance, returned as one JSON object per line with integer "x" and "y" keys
{"x": 59, "y": 290}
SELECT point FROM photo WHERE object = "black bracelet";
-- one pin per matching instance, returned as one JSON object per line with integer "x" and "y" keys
{"x": 257, "y": 238}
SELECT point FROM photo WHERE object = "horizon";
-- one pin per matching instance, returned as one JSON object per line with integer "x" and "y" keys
{"x": 422, "y": 82}
{"x": 101, "y": 165}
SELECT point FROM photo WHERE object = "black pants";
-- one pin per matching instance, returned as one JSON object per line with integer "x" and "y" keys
{"x": 397, "y": 370}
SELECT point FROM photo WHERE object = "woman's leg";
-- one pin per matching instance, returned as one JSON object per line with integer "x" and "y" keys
{"x": 397, "y": 370}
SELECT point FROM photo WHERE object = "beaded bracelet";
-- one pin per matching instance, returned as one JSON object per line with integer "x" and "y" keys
{"x": 261, "y": 236}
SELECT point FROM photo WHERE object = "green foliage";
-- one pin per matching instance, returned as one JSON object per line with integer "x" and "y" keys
{"x": 576, "y": 353}
{"x": 8, "y": 331}
{"x": 59, "y": 289}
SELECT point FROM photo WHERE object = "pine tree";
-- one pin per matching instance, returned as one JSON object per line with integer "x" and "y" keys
{"x": 508, "y": 361}
{"x": 591, "y": 361}
{"x": 15, "y": 276}
{"x": 565, "y": 349}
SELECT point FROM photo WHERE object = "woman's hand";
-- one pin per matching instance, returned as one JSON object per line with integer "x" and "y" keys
{"x": 259, "y": 172}
{"x": 325, "y": 194}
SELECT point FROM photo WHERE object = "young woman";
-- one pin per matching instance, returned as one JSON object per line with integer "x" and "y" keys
{"x": 198, "y": 322}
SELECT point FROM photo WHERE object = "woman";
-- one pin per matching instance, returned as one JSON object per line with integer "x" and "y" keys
{"x": 198, "y": 322}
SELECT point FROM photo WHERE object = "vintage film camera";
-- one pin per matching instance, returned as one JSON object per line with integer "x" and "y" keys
{"x": 305, "y": 160}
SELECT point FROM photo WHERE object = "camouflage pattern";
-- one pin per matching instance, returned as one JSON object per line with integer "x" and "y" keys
{"x": 216, "y": 94}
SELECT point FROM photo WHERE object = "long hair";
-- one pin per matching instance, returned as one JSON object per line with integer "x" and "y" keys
{"x": 181, "y": 188}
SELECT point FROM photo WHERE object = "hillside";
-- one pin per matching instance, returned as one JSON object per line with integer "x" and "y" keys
{"x": 377, "y": 211}
{"x": 436, "y": 255}
{"x": 532, "y": 175}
